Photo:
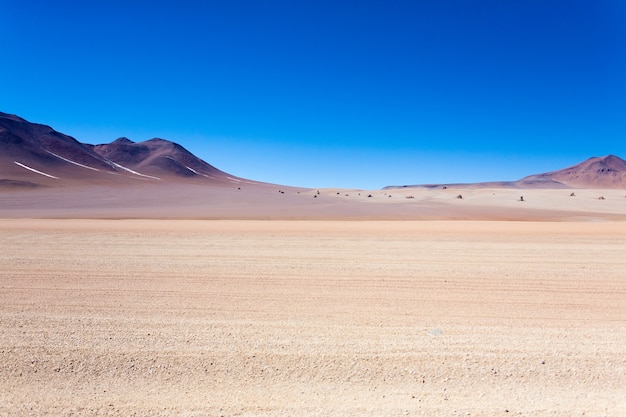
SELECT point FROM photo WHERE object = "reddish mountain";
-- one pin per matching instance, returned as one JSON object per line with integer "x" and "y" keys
{"x": 157, "y": 157}
{"x": 28, "y": 148}
{"x": 597, "y": 172}
{"x": 33, "y": 154}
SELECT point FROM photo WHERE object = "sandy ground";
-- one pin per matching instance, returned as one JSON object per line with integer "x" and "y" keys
{"x": 259, "y": 202}
{"x": 312, "y": 318}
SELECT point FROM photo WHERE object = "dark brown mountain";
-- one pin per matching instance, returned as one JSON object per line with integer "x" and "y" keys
{"x": 33, "y": 155}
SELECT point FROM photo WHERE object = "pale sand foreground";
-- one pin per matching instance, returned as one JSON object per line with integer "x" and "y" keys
{"x": 317, "y": 318}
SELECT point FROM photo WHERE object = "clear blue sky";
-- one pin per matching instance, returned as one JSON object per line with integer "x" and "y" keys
{"x": 329, "y": 93}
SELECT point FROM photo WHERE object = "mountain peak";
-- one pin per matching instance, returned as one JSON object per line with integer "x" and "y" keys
{"x": 596, "y": 172}
{"x": 603, "y": 163}
{"x": 123, "y": 140}
{"x": 11, "y": 117}
{"x": 157, "y": 158}
{"x": 35, "y": 152}
{"x": 614, "y": 161}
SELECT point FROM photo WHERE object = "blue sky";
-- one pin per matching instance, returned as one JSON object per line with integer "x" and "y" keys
{"x": 329, "y": 93}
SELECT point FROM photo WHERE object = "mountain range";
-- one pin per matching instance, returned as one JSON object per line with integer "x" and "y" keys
{"x": 34, "y": 155}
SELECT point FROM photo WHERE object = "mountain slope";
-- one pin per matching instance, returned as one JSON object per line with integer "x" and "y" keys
{"x": 33, "y": 155}
{"x": 157, "y": 157}
{"x": 597, "y": 172}
{"x": 28, "y": 148}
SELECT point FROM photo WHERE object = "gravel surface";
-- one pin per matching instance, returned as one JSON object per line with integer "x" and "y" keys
{"x": 312, "y": 318}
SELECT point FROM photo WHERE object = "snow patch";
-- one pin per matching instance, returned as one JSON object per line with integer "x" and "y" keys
{"x": 35, "y": 171}
{"x": 196, "y": 172}
{"x": 72, "y": 162}
{"x": 131, "y": 171}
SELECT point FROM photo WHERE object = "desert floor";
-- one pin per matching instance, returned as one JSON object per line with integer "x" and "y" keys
{"x": 312, "y": 318}
{"x": 271, "y": 202}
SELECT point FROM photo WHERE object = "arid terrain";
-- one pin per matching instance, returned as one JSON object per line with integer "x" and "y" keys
{"x": 313, "y": 318}
{"x": 136, "y": 279}
{"x": 266, "y": 201}
{"x": 47, "y": 174}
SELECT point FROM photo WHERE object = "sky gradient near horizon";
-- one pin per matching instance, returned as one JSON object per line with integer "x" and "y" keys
{"x": 322, "y": 93}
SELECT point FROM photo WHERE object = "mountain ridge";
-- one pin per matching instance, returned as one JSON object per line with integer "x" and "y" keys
{"x": 596, "y": 172}
{"x": 34, "y": 155}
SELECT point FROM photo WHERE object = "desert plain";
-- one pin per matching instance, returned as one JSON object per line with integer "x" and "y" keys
{"x": 119, "y": 315}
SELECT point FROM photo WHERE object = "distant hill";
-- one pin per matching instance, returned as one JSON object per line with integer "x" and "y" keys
{"x": 597, "y": 172}
{"x": 34, "y": 155}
